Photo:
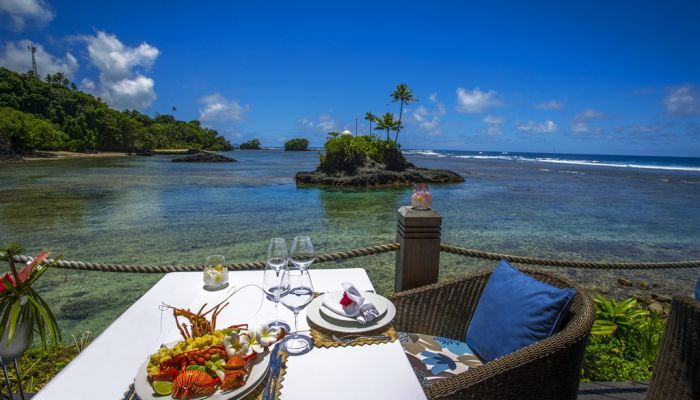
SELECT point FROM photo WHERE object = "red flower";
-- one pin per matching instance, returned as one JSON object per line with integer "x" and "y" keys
{"x": 23, "y": 274}
{"x": 346, "y": 300}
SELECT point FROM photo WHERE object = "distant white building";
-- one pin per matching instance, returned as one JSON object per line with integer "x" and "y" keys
{"x": 346, "y": 133}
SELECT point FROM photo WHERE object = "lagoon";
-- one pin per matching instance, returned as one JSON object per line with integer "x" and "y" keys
{"x": 149, "y": 210}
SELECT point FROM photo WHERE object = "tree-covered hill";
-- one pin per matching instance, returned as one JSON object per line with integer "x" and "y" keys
{"x": 52, "y": 114}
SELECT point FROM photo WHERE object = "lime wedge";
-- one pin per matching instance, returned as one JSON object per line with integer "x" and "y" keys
{"x": 162, "y": 388}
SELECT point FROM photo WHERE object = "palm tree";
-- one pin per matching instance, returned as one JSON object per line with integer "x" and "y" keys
{"x": 405, "y": 95}
{"x": 371, "y": 118}
{"x": 388, "y": 123}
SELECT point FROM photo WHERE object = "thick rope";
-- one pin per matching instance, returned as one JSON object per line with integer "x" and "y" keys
{"x": 566, "y": 263}
{"x": 321, "y": 258}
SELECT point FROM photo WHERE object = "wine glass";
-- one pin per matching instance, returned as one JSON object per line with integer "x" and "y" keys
{"x": 302, "y": 254}
{"x": 272, "y": 277}
{"x": 300, "y": 293}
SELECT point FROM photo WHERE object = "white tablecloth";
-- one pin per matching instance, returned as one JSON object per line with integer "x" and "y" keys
{"x": 106, "y": 368}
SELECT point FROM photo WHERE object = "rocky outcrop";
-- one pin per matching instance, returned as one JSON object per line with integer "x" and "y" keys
{"x": 378, "y": 177}
{"x": 204, "y": 156}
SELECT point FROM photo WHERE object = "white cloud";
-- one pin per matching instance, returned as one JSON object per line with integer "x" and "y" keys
{"x": 218, "y": 108}
{"x": 87, "y": 85}
{"x": 493, "y": 125}
{"x": 429, "y": 120}
{"x": 475, "y": 101}
{"x": 122, "y": 82}
{"x": 548, "y": 126}
{"x": 17, "y": 57}
{"x": 550, "y": 105}
{"x": 682, "y": 101}
{"x": 324, "y": 123}
{"x": 20, "y": 12}
{"x": 581, "y": 121}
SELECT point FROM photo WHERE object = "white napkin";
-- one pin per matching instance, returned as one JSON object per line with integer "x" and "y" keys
{"x": 352, "y": 305}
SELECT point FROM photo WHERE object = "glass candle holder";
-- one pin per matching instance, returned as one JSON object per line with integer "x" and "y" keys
{"x": 215, "y": 273}
{"x": 421, "y": 199}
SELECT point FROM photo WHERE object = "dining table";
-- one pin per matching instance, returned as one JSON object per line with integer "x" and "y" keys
{"x": 108, "y": 366}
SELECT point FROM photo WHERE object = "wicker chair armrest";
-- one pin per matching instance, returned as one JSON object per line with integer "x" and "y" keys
{"x": 442, "y": 309}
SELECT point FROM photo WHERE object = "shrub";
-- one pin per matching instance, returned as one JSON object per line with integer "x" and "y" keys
{"x": 298, "y": 144}
{"x": 348, "y": 153}
{"x": 25, "y": 132}
{"x": 627, "y": 351}
{"x": 253, "y": 144}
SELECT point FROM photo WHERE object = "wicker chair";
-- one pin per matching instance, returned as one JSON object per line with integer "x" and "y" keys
{"x": 549, "y": 369}
{"x": 677, "y": 369}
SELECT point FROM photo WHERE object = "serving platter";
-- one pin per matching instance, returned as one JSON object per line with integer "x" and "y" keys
{"x": 256, "y": 376}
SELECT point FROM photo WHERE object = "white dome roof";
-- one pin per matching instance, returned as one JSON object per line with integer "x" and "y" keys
{"x": 346, "y": 133}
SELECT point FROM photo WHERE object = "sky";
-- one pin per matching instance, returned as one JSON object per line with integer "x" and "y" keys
{"x": 595, "y": 77}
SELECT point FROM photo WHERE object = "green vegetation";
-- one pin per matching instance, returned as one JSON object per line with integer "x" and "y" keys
{"x": 298, "y": 144}
{"x": 348, "y": 153}
{"x": 388, "y": 123}
{"x": 253, "y": 144}
{"x": 54, "y": 115}
{"x": 624, "y": 342}
{"x": 37, "y": 367}
{"x": 404, "y": 95}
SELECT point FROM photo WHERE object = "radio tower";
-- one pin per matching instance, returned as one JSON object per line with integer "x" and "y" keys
{"x": 32, "y": 49}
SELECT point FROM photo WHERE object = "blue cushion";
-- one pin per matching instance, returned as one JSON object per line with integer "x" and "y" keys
{"x": 514, "y": 311}
{"x": 697, "y": 290}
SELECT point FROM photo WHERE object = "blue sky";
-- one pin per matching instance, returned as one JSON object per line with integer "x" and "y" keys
{"x": 599, "y": 77}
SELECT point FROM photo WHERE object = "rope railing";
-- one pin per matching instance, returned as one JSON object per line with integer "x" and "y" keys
{"x": 160, "y": 269}
{"x": 370, "y": 250}
{"x": 566, "y": 263}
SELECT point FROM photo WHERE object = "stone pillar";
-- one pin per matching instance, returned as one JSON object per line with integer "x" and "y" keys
{"x": 418, "y": 260}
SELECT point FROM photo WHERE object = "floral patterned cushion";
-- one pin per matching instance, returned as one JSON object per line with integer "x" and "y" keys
{"x": 435, "y": 357}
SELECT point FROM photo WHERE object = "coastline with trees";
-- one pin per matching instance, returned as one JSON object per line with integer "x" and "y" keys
{"x": 52, "y": 114}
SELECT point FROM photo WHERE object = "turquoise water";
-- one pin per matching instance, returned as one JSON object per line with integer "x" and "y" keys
{"x": 149, "y": 210}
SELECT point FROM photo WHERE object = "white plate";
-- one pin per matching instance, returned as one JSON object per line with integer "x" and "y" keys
{"x": 313, "y": 313}
{"x": 257, "y": 373}
{"x": 336, "y": 296}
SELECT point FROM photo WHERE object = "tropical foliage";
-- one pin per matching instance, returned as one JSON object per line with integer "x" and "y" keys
{"x": 388, "y": 123}
{"x": 53, "y": 114}
{"x": 404, "y": 95}
{"x": 18, "y": 300}
{"x": 253, "y": 144}
{"x": 624, "y": 343}
{"x": 348, "y": 153}
{"x": 298, "y": 144}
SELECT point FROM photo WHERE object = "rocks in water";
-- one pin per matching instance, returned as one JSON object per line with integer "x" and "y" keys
{"x": 664, "y": 298}
{"x": 656, "y": 308}
{"x": 379, "y": 177}
{"x": 624, "y": 282}
{"x": 175, "y": 152}
{"x": 204, "y": 156}
{"x": 643, "y": 285}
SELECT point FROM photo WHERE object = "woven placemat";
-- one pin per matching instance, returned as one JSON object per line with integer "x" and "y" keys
{"x": 324, "y": 338}
{"x": 256, "y": 394}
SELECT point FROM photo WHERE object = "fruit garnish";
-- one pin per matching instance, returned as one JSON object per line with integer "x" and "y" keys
{"x": 162, "y": 388}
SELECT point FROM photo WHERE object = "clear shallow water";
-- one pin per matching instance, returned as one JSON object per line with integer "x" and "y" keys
{"x": 148, "y": 210}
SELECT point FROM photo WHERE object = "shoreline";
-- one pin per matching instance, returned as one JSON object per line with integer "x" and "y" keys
{"x": 63, "y": 155}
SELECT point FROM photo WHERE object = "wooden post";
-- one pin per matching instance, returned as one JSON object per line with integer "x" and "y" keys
{"x": 418, "y": 260}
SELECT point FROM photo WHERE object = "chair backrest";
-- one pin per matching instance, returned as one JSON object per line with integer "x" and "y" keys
{"x": 677, "y": 369}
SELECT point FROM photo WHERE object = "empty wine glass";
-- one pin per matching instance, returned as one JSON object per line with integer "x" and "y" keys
{"x": 302, "y": 254}
{"x": 273, "y": 284}
{"x": 300, "y": 293}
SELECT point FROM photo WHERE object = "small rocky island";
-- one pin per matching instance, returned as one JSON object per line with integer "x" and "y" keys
{"x": 204, "y": 156}
{"x": 364, "y": 161}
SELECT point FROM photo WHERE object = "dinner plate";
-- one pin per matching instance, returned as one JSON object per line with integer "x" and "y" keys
{"x": 336, "y": 296}
{"x": 257, "y": 374}
{"x": 314, "y": 314}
